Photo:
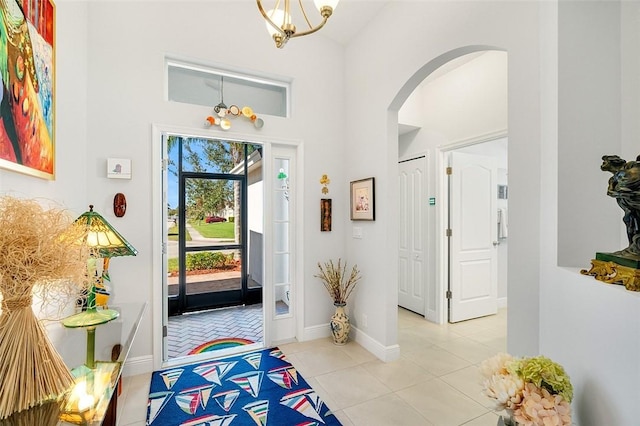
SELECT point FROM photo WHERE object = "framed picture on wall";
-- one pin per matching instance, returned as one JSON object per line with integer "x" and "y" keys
{"x": 363, "y": 199}
{"x": 325, "y": 214}
{"x": 27, "y": 135}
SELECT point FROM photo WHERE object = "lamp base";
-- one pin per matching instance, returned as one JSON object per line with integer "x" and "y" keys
{"x": 90, "y": 317}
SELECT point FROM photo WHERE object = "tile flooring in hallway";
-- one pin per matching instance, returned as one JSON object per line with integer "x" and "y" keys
{"x": 434, "y": 382}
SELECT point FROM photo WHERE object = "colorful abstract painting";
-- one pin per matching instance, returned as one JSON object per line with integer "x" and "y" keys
{"x": 257, "y": 388}
{"x": 27, "y": 36}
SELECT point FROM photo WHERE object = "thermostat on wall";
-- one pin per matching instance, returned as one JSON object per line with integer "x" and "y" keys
{"x": 118, "y": 168}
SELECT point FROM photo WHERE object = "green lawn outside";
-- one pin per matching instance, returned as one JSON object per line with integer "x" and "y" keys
{"x": 172, "y": 264}
{"x": 224, "y": 230}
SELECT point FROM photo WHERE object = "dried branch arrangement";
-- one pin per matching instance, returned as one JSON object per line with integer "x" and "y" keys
{"x": 37, "y": 247}
{"x": 336, "y": 281}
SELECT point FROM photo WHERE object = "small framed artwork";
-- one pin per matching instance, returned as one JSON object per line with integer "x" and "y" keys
{"x": 118, "y": 168}
{"x": 325, "y": 214}
{"x": 363, "y": 199}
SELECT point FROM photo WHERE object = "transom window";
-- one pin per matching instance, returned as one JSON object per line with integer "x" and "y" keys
{"x": 206, "y": 86}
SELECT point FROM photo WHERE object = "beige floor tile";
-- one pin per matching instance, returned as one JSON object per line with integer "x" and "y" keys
{"x": 387, "y": 410}
{"x": 344, "y": 419}
{"x": 437, "y": 361}
{"x": 411, "y": 340}
{"x": 351, "y": 386}
{"x": 398, "y": 374}
{"x": 468, "y": 381}
{"x": 323, "y": 360}
{"x": 135, "y": 402}
{"x": 441, "y": 404}
{"x": 290, "y": 348}
{"x": 468, "y": 349}
{"x": 354, "y": 384}
{"x": 467, "y": 328}
{"x": 357, "y": 352}
{"x": 489, "y": 419}
{"x": 135, "y": 423}
{"x": 492, "y": 337}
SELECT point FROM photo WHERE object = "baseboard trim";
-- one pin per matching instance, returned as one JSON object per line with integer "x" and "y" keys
{"x": 316, "y": 332}
{"x": 138, "y": 365}
{"x": 384, "y": 353}
{"x": 502, "y": 302}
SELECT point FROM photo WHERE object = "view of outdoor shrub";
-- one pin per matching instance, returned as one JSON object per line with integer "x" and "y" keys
{"x": 207, "y": 260}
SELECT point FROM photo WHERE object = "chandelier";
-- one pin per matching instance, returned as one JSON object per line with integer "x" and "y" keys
{"x": 280, "y": 22}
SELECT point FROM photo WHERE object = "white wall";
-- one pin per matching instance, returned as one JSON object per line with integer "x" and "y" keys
{"x": 111, "y": 89}
{"x": 589, "y": 126}
{"x": 381, "y": 73}
{"x": 591, "y": 328}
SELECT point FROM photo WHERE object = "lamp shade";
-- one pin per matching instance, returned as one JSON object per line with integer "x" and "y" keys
{"x": 322, "y": 3}
{"x": 277, "y": 16}
{"x": 101, "y": 238}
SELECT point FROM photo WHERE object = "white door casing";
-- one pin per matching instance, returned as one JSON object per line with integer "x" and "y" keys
{"x": 281, "y": 239}
{"x": 412, "y": 235}
{"x": 472, "y": 244}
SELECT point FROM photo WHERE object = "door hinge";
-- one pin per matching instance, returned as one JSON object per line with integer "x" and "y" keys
{"x": 449, "y": 170}
{"x": 449, "y": 232}
{"x": 449, "y": 295}
{"x": 165, "y": 164}
{"x": 164, "y": 331}
{"x": 164, "y": 248}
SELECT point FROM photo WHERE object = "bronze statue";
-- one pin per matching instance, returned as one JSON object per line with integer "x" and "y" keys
{"x": 624, "y": 186}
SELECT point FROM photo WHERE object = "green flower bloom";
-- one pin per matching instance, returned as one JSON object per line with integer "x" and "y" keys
{"x": 544, "y": 373}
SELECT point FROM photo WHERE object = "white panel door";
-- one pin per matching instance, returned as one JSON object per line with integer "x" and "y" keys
{"x": 412, "y": 222}
{"x": 473, "y": 278}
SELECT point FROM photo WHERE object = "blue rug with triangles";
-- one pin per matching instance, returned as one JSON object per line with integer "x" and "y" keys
{"x": 257, "y": 388}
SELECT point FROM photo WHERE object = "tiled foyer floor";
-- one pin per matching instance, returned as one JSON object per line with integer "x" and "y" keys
{"x": 434, "y": 382}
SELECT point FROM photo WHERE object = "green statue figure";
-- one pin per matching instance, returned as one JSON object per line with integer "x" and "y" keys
{"x": 624, "y": 186}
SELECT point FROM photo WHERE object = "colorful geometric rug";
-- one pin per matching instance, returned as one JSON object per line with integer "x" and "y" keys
{"x": 257, "y": 388}
{"x": 214, "y": 345}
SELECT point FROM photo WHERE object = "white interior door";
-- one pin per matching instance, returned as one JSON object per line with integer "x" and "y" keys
{"x": 412, "y": 220}
{"x": 473, "y": 278}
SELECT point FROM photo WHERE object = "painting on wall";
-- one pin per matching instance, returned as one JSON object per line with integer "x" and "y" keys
{"x": 325, "y": 214}
{"x": 362, "y": 199}
{"x": 27, "y": 99}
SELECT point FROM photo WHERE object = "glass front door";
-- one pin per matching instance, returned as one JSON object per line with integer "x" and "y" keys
{"x": 208, "y": 233}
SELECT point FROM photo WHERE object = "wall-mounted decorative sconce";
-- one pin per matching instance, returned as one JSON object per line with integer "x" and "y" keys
{"x": 325, "y": 181}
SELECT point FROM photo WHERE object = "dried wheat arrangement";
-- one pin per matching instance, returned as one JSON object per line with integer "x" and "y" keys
{"x": 41, "y": 247}
{"x": 47, "y": 414}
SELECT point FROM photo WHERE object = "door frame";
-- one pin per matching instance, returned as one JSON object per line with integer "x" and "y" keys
{"x": 159, "y": 305}
{"x": 442, "y": 251}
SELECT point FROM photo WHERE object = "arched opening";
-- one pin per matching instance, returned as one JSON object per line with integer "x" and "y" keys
{"x": 455, "y": 102}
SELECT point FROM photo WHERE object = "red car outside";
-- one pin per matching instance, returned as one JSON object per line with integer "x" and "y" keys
{"x": 214, "y": 219}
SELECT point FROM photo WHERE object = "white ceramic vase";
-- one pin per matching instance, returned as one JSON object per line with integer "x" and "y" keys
{"x": 340, "y": 326}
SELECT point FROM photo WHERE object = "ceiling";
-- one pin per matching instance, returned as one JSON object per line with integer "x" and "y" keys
{"x": 349, "y": 18}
